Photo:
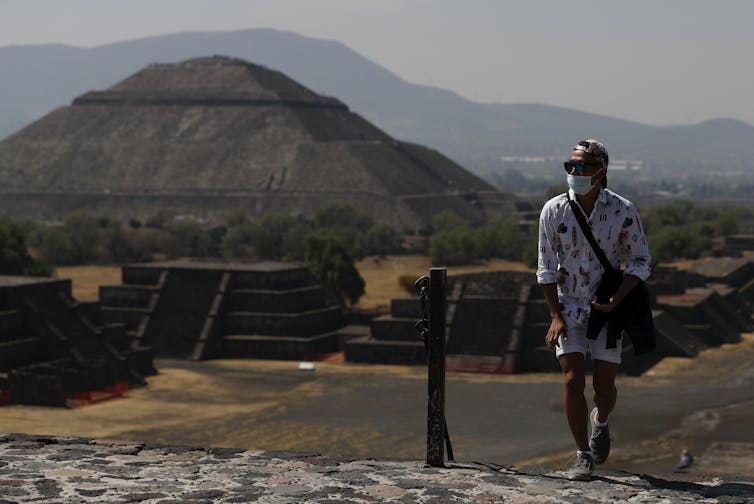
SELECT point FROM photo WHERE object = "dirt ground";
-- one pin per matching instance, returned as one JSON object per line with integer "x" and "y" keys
{"x": 380, "y": 411}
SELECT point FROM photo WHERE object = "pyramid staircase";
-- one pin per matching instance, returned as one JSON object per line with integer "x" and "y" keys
{"x": 198, "y": 310}
{"x": 392, "y": 338}
{"x": 53, "y": 347}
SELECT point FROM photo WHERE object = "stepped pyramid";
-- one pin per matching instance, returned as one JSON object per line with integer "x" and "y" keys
{"x": 209, "y": 135}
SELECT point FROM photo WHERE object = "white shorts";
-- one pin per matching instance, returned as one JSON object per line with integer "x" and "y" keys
{"x": 578, "y": 342}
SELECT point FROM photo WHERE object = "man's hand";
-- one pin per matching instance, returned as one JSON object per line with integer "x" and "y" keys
{"x": 557, "y": 328}
{"x": 606, "y": 308}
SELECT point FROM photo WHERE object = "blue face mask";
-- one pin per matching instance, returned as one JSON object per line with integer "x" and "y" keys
{"x": 580, "y": 184}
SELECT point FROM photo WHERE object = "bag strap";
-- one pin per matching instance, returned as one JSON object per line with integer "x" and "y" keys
{"x": 581, "y": 219}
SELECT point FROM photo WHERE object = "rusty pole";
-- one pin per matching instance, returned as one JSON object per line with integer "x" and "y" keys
{"x": 436, "y": 368}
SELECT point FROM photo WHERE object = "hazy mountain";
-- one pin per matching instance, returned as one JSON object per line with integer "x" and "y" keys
{"x": 38, "y": 78}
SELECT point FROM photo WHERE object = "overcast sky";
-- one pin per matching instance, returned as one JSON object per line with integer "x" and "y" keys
{"x": 653, "y": 61}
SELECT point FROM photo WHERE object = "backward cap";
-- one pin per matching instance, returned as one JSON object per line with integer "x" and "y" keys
{"x": 595, "y": 148}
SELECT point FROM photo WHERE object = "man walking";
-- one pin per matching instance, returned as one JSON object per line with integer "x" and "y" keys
{"x": 569, "y": 271}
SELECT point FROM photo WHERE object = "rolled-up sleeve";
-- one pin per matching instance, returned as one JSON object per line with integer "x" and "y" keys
{"x": 634, "y": 247}
{"x": 547, "y": 260}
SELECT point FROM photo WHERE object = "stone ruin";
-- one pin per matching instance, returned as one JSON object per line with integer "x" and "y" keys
{"x": 497, "y": 321}
{"x": 53, "y": 349}
{"x": 202, "y": 310}
{"x": 207, "y": 136}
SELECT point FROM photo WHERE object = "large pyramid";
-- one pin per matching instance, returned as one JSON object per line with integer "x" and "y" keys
{"x": 209, "y": 135}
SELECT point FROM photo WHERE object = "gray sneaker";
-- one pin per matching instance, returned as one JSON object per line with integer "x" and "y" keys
{"x": 599, "y": 442}
{"x": 582, "y": 469}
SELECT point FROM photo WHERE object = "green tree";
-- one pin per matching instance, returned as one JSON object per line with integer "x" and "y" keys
{"x": 453, "y": 247}
{"x": 294, "y": 242}
{"x": 14, "y": 256}
{"x": 342, "y": 215}
{"x": 446, "y": 221}
{"x": 238, "y": 242}
{"x": 83, "y": 232}
{"x": 160, "y": 220}
{"x": 726, "y": 222}
{"x": 237, "y": 217}
{"x": 52, "y": 243}
{"x": 121, "y": 247}
{"x": 502, "y": 240}
{"x": 677, "y": 242}
{"x": 327, "y": 257}
{"x": 383, "y": 239}
{"x": 192, "y": 238}
{"x": 268, "y": 235}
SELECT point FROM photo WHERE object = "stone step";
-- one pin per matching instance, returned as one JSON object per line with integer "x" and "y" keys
{"x": 390, "y": 328}
{"x": 274, "y": 278}
{"x": 536, "y": 309}
{"x": 537, "y": 359}
{"x": 10, "y": 324}
{"x": 236, "y": 346}
{"x": 140, "y": 359}
{"x": 117, "y": 335}
{"x": 306, "y": 323}
{"x": 127, "y": 296}
{"x": 131, "y": 317}
{"x": 406, "y": 307}
{"x": 705, "y": 333}
{"x": 140, "y": 275}
{"x": 534, "y": 333}
{"x": 19, "y": 352}
{"x": 373, "y": 351}
{"x": 276, "y": 301}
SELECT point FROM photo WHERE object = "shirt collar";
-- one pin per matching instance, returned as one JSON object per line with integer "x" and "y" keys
{"x": 601, "y": 197}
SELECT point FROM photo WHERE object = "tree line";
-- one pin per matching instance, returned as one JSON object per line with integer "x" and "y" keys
{"x": 329, "y": 242}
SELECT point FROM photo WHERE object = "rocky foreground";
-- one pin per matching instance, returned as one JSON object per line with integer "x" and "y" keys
{"x": 67, "y": 470}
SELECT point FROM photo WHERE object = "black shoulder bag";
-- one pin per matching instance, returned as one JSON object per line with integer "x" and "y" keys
{"x": 633, "y": 314}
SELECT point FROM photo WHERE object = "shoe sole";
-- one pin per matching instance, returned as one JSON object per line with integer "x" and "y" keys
{"x": 579, "y": 477}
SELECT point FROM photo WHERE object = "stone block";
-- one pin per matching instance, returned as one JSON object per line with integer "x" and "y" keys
{"x": 409, "y": 307}
{"x": 370, "y": 350}
{"x": 280, "y": 347}
{"x": 10, "y": 324}
{"x": 392, "y": 328}
{"x": 125, "y": 296}
{"x": 274, "y": 301}
{"x": 19, "y": 352}
{"x": 141, "y": 274}
{"x": 306, "y": 323}
{"x": 130, "y": 317}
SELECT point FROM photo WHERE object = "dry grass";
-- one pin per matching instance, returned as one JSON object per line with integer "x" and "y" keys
{"x": 87, "y": 280}
{"x": 381, "y": 275}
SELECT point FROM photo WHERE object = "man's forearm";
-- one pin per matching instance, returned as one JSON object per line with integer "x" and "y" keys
{"x": 550, "y": 292}
{"x": 627, "y": 285}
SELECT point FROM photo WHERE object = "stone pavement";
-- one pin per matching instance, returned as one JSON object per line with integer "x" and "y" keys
{"x": 67, "y": 470}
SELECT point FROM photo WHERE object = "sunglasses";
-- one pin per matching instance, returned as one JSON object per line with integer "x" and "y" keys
{"x": 578, "y": 167}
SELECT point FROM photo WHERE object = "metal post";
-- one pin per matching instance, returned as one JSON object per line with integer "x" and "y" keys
{"x": 436, "y": 368}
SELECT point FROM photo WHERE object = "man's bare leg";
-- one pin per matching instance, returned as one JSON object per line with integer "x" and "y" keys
{"x": 575, "y": 405}
{"x": 605, "y": 392}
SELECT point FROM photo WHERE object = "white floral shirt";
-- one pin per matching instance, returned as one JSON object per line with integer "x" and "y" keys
{"x": 566, "y": 257}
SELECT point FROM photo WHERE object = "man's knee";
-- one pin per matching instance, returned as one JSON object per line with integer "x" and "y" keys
{"x": 574, "y": 382}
